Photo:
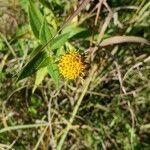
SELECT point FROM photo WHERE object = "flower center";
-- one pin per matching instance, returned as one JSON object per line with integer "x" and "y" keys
{"x": 71, "y": 65}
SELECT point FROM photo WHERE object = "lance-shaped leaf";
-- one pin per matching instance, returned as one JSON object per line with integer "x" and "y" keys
{"x": 45, "y": 33}
{"x": 73, "y": 30}
{"x": 59, "y": 40}
{"x": 33, "y": 65}
{"x": 35, "y": 18}
{"x": 41, "y": 73}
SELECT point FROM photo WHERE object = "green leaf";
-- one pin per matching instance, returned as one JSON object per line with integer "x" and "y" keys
{"x": 45, "y": 33}
{"x": 32, "y": 110}
{"x": 45, "y": 3}
{"x": 33, "y": 65}
{"x": 73, "y": 30}
{"x": 41, "y": 73}
{"x": 53, "y": 72}
{"x": 35, "y": 101}
{"x": 35, "y": 51}
{"x": 35, "y": 18}
{"x": 59, "y": 40}
{"x": 44, "y": 63}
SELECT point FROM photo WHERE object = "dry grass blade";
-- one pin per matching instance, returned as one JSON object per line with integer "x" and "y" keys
{"x": 123, "y": 39}
{"x": 106, "y": 23}
{"x": 106, "y": 106}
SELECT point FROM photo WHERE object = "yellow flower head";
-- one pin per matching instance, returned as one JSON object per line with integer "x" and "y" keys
{"x": 71, "y": 65}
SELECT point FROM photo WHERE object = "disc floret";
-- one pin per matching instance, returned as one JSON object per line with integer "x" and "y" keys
{"x": 71, "y": 65}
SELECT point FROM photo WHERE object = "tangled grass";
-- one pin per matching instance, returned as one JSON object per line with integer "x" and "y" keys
{"x": 108, "y": 108}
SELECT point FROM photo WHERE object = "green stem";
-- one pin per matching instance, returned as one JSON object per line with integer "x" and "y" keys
{"x": 9, "y": 46}
{"x": 76, "y": 108}
{"x": 22, "y": 127}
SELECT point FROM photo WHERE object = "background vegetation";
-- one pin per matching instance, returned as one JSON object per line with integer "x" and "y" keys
{"x": 107, "y": 108}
